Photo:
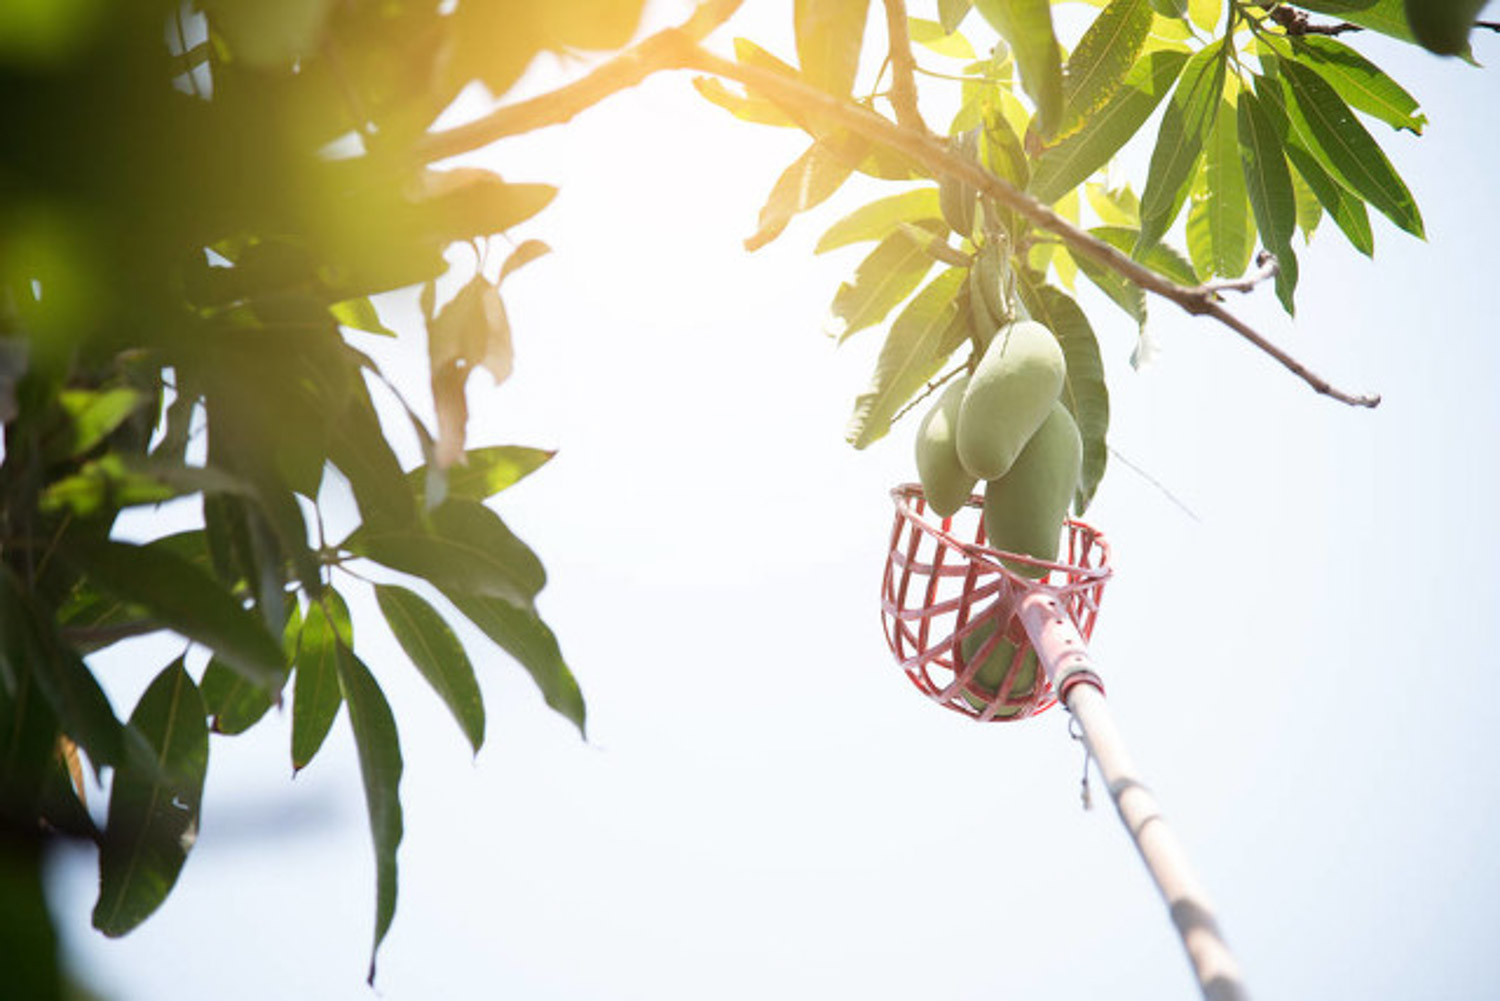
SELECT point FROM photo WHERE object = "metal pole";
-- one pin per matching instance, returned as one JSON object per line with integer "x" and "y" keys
{"x": 1064, "y": 654}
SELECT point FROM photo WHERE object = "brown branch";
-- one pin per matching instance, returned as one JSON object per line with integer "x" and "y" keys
{"x": 903, "y": 79}
{"x": 622, "y": 72}
{"x": 1296, "y": 22}
{"x": 932, "y": 153}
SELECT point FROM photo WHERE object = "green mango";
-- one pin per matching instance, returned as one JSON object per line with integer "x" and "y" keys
{"x": 1010, "y": 393}
{"x": 945, "y": 482}
{"x": 992, "y": 671}
{"x": 1024, "y": 509}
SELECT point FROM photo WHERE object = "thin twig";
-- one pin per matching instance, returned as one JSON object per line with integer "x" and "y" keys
{"x": 903, "y": 81}
{"x": 620, "y": 73}
{"x": 932, "y": 152}
{"x": 1267, "y": 267}
{"x": 928, "y": 390}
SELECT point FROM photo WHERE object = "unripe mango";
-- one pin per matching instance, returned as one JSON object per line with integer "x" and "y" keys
{"x": 1024, "y": 509}
{"x": 1010, "y": 393}
{"x": 945, "y": 482}
{"x": 992, "y": 672}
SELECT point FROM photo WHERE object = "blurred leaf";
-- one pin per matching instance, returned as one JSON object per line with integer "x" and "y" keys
{"x": 468, "y": 550}
{"x": 528, "y": 251}
{"x": 153, "y": 804}
{"x": 1071, "y": 162}
{"x": 315, "y": 695}
{"x": 1084, "y": 391}
{"x": 1205, "y": 14}
{"x": 951, "y": 13}
{"x": 1170, "y": 8}
{"x": 1114, "y": 207}
{"x": 1231, "y": 227}
{"x": 1385, "y": 16}
{"x": 472, "y": 330}
{"x": 438, "y": 654}
{"x": 890, "y": 273}
{"x": 360, "y": 315}
{"x": 1107, "y": 51}
{"x": 269, "y": 34}
{"x": 28, "y": 740}
{"x": 914, "y": 351}
{"x": 1269, "y": 184}
{"x": 1342, "y": 145}
{"x": 379, "y": 749}
{"x": 359, "y": 448}
{"x": 1026, "y": 26}
{"x": 756, "y": 110}
{"x": 876, "y": 220}
{"x": 94, "y": 415}
{"x": 467, "y": 202}
{"x": 1360, "y": 82}
{"x": 235, "y": 703}
{"x": 1120, "y": 290}
{"x": 103, "y": 482}
{"x": 809, "y": 181}
{"x": 944, "y": 41}
{"x": 485, "y": 471}
{"x": 184, "y": 599}
{"x": 1179, "y": 142}
{"x": 1443, "y": 26}
{"x": 830, "y": 34}
{"x": 520, "y": 633}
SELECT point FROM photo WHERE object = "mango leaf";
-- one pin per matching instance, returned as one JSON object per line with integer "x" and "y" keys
{"x": 1309, "y": 210}
{"x": 1231, "y": 233}
{"x": 379, "y": 749}
{"x": 1107, "y": 51}
{"x": 1443, "y": 26}
{"x": 1084, "y": 391}
{"x": 1026, "y": 26}
{"x": 1385, "y": 16}
{"x": 830, "y": 34}
{"x": 809, "y": 181}
{"x": 153, "y": 803}
{"x": 756, "y": 110}
{"x": 360, "y": 314}
{"x": 1346, "y": 209}
{"x": 468, "y": 550}
{"x": 184, "y": 599}
{"x": 1071, "y": 162}
{"x": 1341, "y": 144}
{"x": 914, "y": 351}
{"x": 1170, "y": 8}
{"x": 437, "y": 654}
{"x": 1114, "y": 206}
{"x": 359, "y": 448}
{"x": 520, "y": 633}
{"x": 28, "y": 751}
{"x": 1120, "y": 290}
{"x": 524, "y": 254}
{"x": 1269, "y": 184}
{"x": 93, "y": 415}
{"x": 876, "y": 220}
{"x": 1360, "y": 82}
{"x": 1162, "y": 259}
{"x": 485, "y": 471}
{"x": 890, "y": 273}
{"x": 468, "y": 202}
{"x": 1205, "y": 14}
{"x": 1179, "y": 142}
{"x": 951, "y": 13}
{"x": 316, "y": 695}
{"x": 235, "y": 704}
{"x": 932, "y": 35}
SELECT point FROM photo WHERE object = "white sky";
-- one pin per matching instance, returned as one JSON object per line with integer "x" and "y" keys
{"x": 765, "y": 807}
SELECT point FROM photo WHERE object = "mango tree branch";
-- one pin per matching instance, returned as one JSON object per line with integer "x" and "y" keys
{"x": 630, "y": 67}
{"x": 903, "y": 67}
{"x": 932, "y": 153}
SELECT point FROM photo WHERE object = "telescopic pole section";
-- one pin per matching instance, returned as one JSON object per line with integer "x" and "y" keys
{"x": 1064, "y": 654}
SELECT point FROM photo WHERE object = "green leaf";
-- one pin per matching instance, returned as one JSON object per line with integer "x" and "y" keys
{"x": 1309, "y": 210}
{"x": 468, "y": 549}
{"x": 520, "y": 633}
{"x": 359, "y": 448}
{"x": 360, "y": 315}
{"x": 316, "y": 695}
{"x": 1026, "y": 26}
{"x": 1084, "y": 391}
{"x": 379, "y": 749}
{"x": 1071, "y": 162}
{"x": 945, "y": 42}
{"x": 830, "y": 34}
{"x": 94, "y": 415}
{"x": 809, "y": 181}
{"x": 234, "y": 703}
{"x": 184, "y": 599}
{"x": 1443, "y": 26}
{"x": 1205, "y": 14}
{"x": 951, "y": 13}
{"x": 1107, "y": 51}
{"x": 1170, "y": 8}
{"x": 28, "y": 750}
{"x": 1385, "y": 16}
{"x": 1162, "y": 259}
{"x": 1120, "y": 290}
{"x": 1341, "y": 144}
{"x": 1231, "y": 234}
{"x": 1360, "y": 82}
{"x": 437, "y": 654}
{"x": 1346, "y": 209}
{"x": 890, "y": 273}
{"x": 1269, "y": 184}
{"x": 914, "y": 351}
{"x": 1179, "y": 142}
{"x": 485, "y": 471}
{"x": 153, "y": 803}
{"x": 748, "y": 109}
{"x": 876, "y": 220}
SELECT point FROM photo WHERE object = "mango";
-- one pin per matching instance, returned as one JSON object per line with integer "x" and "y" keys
{"x": 1010, "y": 394}
{"x": 1024, "y": 509}
{"x": 945, "y": 482}
{"x": 992, "y": 672}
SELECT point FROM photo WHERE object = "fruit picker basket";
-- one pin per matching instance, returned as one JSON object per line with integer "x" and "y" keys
{"x": 949, "y": 603}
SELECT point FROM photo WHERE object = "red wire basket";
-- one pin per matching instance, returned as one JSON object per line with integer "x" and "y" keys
{"x": 947, "y": 604}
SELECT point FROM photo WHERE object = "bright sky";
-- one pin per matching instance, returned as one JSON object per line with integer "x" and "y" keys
{"x": 1303, "y": 667}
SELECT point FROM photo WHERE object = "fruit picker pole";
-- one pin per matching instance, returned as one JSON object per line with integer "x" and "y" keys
{"x": 1064, "y": 655}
